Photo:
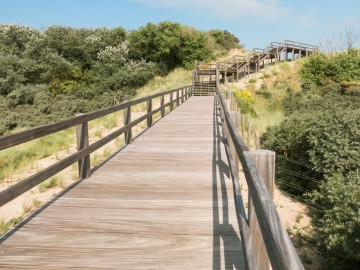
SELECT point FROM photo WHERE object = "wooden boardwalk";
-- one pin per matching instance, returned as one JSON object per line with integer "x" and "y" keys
{"x": 163, "y": 202}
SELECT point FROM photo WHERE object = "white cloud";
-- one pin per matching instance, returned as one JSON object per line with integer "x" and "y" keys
{"x": 268, "y": 9}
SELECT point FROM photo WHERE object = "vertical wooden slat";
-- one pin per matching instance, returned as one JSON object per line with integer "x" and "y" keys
{"x": 82, "y": 138}
{"x": 242, "y": 126}
{"x": 127, "y": 120}
{"x": 171, "y": 102}
{"x": 162, "y": 106}
{"x": 235, "y": 118}
{"x": 148, "y": 110}
{"x": 257, "y": 139}
{"x": 265, "y": 164}
{"x": 177, "y": 98}
{"x": 249, "y": 134}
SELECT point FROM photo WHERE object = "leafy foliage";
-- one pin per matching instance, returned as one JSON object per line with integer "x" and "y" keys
{"x": 342, "y": 67}
{"x": 318, "y": 151}
{"x": 340, "y": 221}
{"x": 245, "y": 101}
{"x": 52, "y": 74}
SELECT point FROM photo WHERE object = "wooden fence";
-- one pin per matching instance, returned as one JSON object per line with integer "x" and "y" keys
{"x": 84, "y": 149}
{"x": 279, "y": 248}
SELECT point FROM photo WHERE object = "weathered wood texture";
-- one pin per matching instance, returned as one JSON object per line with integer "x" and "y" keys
{"x": 38, "y": 132}
{"x": 279, "y": 247}
{"x": 265, "y": 164}
{"x": 84, "y": 151}
{"x": 163, "y": 202}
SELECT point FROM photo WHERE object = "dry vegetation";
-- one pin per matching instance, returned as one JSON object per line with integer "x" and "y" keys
{"x": 267, "y": 90}
{"x": 19, "y": 162}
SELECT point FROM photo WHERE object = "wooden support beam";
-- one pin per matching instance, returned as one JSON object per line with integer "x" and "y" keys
{"x": 265, "y": 164}
{"x": 171, "y": 102}
{"x": 82, "y": 138}
{"x": 127, "y": 120}
{"x": 257, "y": 140}
{"x": 249, "y": 134}
{"x": 162, "y": 112}
{"x": 148, "y": 110}
{"x": 242, "y": 117}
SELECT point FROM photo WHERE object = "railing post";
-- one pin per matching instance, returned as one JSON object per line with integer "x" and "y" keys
{"x": 235, "y": 115}
{"x": 82, "y": 138}
{"x": 257, "y": 140}
{"x": 171, "y": 101}
{"x": 149, "y": 110}
{"x": 162, "y": 106}
{"x": 182, "y": 96}
{"x": 242, "y": 116}
{"x": 177, "y": 98}
{"x": 249, "y": 134}
{"x": 127, "y": 120}
{"x": 265, "y": 164}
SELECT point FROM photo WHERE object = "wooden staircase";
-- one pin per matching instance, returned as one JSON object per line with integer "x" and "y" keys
{"x": 204, "y": 79}
{"x": 258, "y": 58}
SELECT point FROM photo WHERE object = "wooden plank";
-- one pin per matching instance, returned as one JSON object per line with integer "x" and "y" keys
{"x": 164, "y": 202}
{"x": 82, "y": 139}
{"x": 280, "y": 249}
{"x": 38, "y": 132}
{"x": 35, "y": 179}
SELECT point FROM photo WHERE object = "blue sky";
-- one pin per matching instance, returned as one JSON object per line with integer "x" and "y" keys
{"x": 254, "y": 22}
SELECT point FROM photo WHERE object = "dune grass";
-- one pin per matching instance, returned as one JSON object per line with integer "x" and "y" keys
{"x": 13, "y": 159}
{"x": 53, "y": 182}
{"x": 175, "y": 79}
{"x": 270, "y": 92}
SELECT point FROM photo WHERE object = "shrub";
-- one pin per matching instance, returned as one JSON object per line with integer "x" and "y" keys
{"x": 245, "y": 101}
{"x": 253, "y": 80}
{"x": 339, "y": 228}
{"x": 342, "y": 67}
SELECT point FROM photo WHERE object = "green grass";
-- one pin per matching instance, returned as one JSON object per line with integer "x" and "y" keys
{"x": 51, "y": 183}
{"x": 6, "y": 225}
{"x": 36, "y": 203}
{"x": 108, "y": 121}
{"x": 269, "y": 99}
{"x": 175, "y": 79}
{"x": 12, "y": 159}
{"x": 253, "y": 80}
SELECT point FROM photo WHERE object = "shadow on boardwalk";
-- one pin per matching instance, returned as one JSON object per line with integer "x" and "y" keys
{"x": 223, "y": 230}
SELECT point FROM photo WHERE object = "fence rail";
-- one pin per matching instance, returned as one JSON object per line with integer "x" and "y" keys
{"x": 84, "y": 149}
{"x": 280, "y": 250}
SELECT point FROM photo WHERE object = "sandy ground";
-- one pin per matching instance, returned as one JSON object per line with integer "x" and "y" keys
{"x": 294, "y": 215}
{"x": 31, "y": 200}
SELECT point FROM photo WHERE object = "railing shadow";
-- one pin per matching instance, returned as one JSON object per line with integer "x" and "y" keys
{"x": 226, "y": 241}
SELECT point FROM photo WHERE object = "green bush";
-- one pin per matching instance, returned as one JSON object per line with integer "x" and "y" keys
{"x": 253, "y": 80}
{"x": 342, "y": 67}
{"x": 339, "y": 222}
{"x": 319, "y": 135}
{"x": 245, "y": 101}
{"x": 318, "y": 152}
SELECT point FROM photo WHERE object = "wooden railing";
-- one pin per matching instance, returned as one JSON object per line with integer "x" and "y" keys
{"x": 279, "y": 248}
{"x": 84, "y": 149}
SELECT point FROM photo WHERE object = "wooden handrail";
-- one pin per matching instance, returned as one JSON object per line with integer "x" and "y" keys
{"x": 38, "y": 132}
{"x": 16, "y": 190}
{"x": 280, "y": 249}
